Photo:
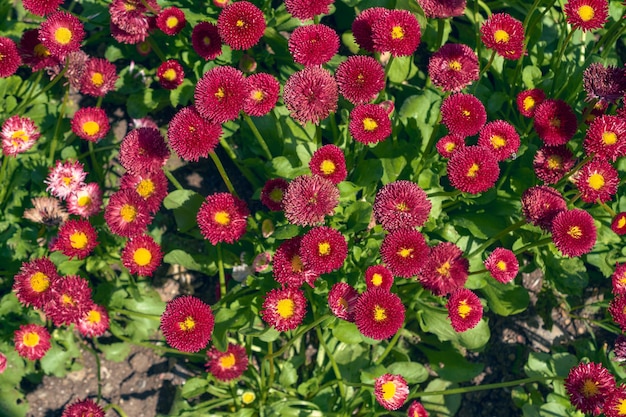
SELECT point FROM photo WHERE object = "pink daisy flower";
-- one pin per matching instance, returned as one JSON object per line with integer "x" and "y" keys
{"x": 618, "y": 279}
{"x": 528, "y": 100}
{"x": 606, "y": 137}
{"x": 206, "y": 40}
{"x": 416, "y": 409}
{"x": 362, "y": 26}
{"x": 150, "y": 186}
{"x": 391, "y": 391}
{"x": 143, "y": 150}
{"x": 473, "y": 169}
{"x": 342, "y": 298}
{"x": 33, "y": 284}
{"x": 445, "y": 270}
{"x": 273, "y": 192}
{"x": 615, "y": 403}
{"x": 329, "y": 162}
{"x": 142, "y": 255}
{"x": 19, "y": 134}
{"x": 309, "y": 199}
{"x": 442, "y": 9}
{"x": 170, "y": 74}
{"x": 32, "y": 341}
{"x": 551, "y": 163}
{"x": 379, "y": 314}
{"x": 65, "y": 178}
{"x": 447, "y": 145}
{"x": 10, "y": 59}
{"x": 40, "y": 7}
{"x": 227, "y": 366}
{"x": 502, "y": 265}
{"x": 241, "y": 25}
{"x": 130, "y": 38}
{"x": 597, "y": 180}
{"x": 618, "y": 224}
{"x": 555, "y": 122}
{"x": 90, "y": 123}
{"x": 288, "y": 266}
{"x": 127, "y": 214}
{"x": 378, "y": 276}
{"x": 464, "y": 310}
{"x": 284, "y": 308}
{"x": 61, "y": 33}
{"x": 263, "y": 94}
{"x": 221, "y": 93}
{"x": 463, "y": 114}
{"x": 76, "y": 239}
{"x": 192, "y": 136}
{"x": 34, "y": 53}
{"x": 453, "y": 67}
{"x": 187, "y": 323}
{"x": 98, "y": 78}
{"x": 171, "y": 20}
{"x": 589, "y": 386}
{"x": 397, "y": 32}
{"x": 500, "y": 138}
{"x": 313, "y": 44}
{"x": 307, "y": 10}
{"x": 504, "y": 34}
{"x": 369, "y": 123}
{"x": 323, "y": 249}
{"x": 83, "y": 408}
{"x": 223, "y": 218}
{"x": 70, "y": 299}
{"x": 95, "y": 322}
{"x": 360, "y": 79}
{"x": 607, "y": 84}
{"x": 586, "y": 14}
{"x": 401, "y": 204}
{"x": 311, "y": 95}
{"x": 573, "y": 232}
{"x": 540, "y": 204}
{"x": 404, "y": 252}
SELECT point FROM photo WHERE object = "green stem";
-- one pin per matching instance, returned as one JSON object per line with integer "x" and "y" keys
{"x": 98, "y": 367}
{"x": 3, "y": 172}
{"x": 441, "y": 24}
{"x": 388, "y": 68}
{"x": 390, "y": 346}
{"x": 233, "y": 393}
{"x": 223, "y": 174}
{"x": 452, "y": 194}
{"x": 252, "y": 178}
{"x": 300, "y": 333}
{"x": 531, "y": 245}
{"x": 258, "y": 136}
{"x": 555, "y": 63}
{"x": 117, "y": 409}
{"x": 94, "y": 162}
{"x": 318, "y": 136}
{"x": 270, "y": 349}
{"x": 130, "y": 313}
{"x": 485, "y": 387}
{"x": 220, "y": 268}
{"x": 574, "y": 170}
{"x": 486, "y": 67}
{"x": 172, "y": 179}
{"x": 333, "y": 363}
{"x": 497, "y": 237}
{"x": 27, "y": 100}
{"x": 55, "y": 138}
{"x": 607, "y": 208}
{"x": 431, "y": 142}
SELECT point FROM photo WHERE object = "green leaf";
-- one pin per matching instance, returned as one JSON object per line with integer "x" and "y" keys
{"x": 402, "y": 69}
{"x": 194, "y": 387}
{"x": 15, "y": 369}
{"x": 59, "y": 358}
{"x": 505, "y": 299}
{"x": 347, "y": 332}
{"x": 113, "y": 53}
{"x": 13, "y": 404}
{"x": 185, "y": 204}
{"x": 476, "y": 338}
{"x": 449, "y": 364}
{"x": 442, "y": 405}
{"x": 392, "y": 167}
{"x": 531, "y": 76}
{"x": 539, "y": 364}
{"x": 569, "y": 275}
{"x": 288, "y": 375}
{"x": 286, "y": 232}
{"x": 200, "y": 263}
{"x": 116, "y": 352}
{"x": 413, "y": 372}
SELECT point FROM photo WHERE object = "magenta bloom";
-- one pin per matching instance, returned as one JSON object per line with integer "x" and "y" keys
{"x": 127, "y": 214}
{"x": 555, "y": 122}
{"x": 618, "y": 224}
{"x": 41, "y": 7}
{"x": 33, "y": 284}
{"x": 98, "y": 78}
{"x": 464, "y": 310}
{"x": 151, "y": 186}
{"x": 221, "y": 93}
{"x": 187, "y": 323}
{"x": 573, "y": 232}
{"x": 607, "y": 84}
{"x": 401, "y": 204}
{"x": 83, "y": 408}
{"x": 65, "y": 178}
{"x": 311, "y": 95}
{"x": 369, "y": 123}
{"x": 473, "y": 169}
{"x": 206, "y": 40}
{"x": 528, "y": 100}
{"x": 445, "y": 269}
{"x": 606, "y": 137}
{"x": 309, "y": 199}
{"x": 192, "y": 136}
{"x": 342, "y": 299}
{"x": 263, "y": 91}
{"x": 143, "y": 149}
{"x": 284, "y": 308}
{"x": 391, "y": 391}
{"x": 142, "y": 255}
{"x": 223, "y": 218}
{"x": 398, "y": 32}
{"x": 362, "y": 26}
{"x": 597, "y": 181}
{"x": 504, "y": 34}
{"x": 19, "y": 134}
{"x": 76, "y": 239}
{"x": 551, "y": 163}
{"x": 589, "y": 386}
{"x": 442, "y": 9}
{"x": 34, "y": 53}
{"x": 11, "y": 60}
{"x": 500, "y": 138}
{"x": 307, "y": 10}
{"x": 241, "y": 25}
{"x": 447, "y": 145}
{"x": 313, "y": 44}
{"x": 273, "y": 192}
{"x": 378, "y": 276}
{"x": 90, "y": 123}
{"x": 32, "y": 341}
{"x": 379, "y": 314}
{"x": 404, "y": 252}
{"x": 540, "y": 204}
{"x": 95, "y": 322}
{"x": 323, "y": 249}
{"x": 330, "y": 163}
{"x": 453, "y": 67}
{"x": 170, "y": 74}
{"x": 61, "y": 33}
{"x": 502, "y": 265}
{"x": 171, "y": 20}
{"x": 288, "y": 266}
{"x": 229, "y": 365}
{"x": 70, "y": 299}
{"x": 463, "y": 114}
{"x": 586, "y": 14}
{"x": 360, "y": 79}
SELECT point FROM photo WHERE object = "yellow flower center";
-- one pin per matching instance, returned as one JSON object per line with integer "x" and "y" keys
{"x": 586, "y": 12}
{"x": 67, "y": 300}
{"x": 257, "y": 95}
{"x": 128, "y": 213}
{"x": 142, "y": 256}
{"x": 377, "y": 280}
{"x": 450, "y": 146}
{"x": 240, "y": 23}
{"x": 188, "y": 324}
{"x": 83, "y": 201}
{"x": 327, "y": 166}
{"x": 222, "y": 218}
{"x": 621, "y": 222}
{"x": 30, "y": 339}
{"x": 464, "y": 309}
{"x": 206, "y": 41}
{"x": 79, "y": 240}
{"x": 342, "y": 303}
{"x": 94, "y": 316}
{"x": 369, "y": 124}
{"x": 621, "y": 408}
{"x": 19, "y": 135}
{"x": 466, "y": 113}
{"x": 397, "y": 32}
{"x": 129, "y": 7}
{"x": 41, "y": 51}
{"x": 455, "y": 65}
{"x": 529, "y": 103}
{"x": 323, "y": 249}
{"x": 609, "y": 138}
{"x": 145, "y": 188}
{"x": 247, "y": 397}
{"x": 554, "y": 162}
{"x": 389, "y": 390}
{"x": 554, "y": 122}
{"x": 403, "y": 207}
{"x": 575, "y": 232}
{"x": 63, "y": 35}
{"x": 501, "y": 265}
{"x": 590, "y": 388}
{"x": 220, "y": 94}
{"x": 97, "y": 79}
{"x": 67, "y": 180}
{"x": 498, "y": 141}
{"x": 285, "y": 308}
{"x": 501, "y": 36}
{"x": 444, "y": 269}
{"x": 296, "y": 264}
{"x": 169, "y": 74}
{"x": 596, "y": 181}
{"x": 171, "y": 22}
{"x": 380, "y": 313}
{"x": 405, "y": 252}
{"x": 276, "y": 195}
{"x": 39, "y": 282}
{"x": 227, "y": 361}
{"x": 473, "y": 170}
{"x": 91, "y": 128}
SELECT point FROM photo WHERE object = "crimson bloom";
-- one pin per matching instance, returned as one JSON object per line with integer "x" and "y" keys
{"x": 221, "y": 93}
{"x": 573, "y": 232}
{"x": 618, "y": 224}
{"x": 98, "y": 78}
{"x": 401, "y": 204}
{"x": 617, "y": 309}
{"x": 614, "y": 406}
{"x": 142, "y": 255}
{"x": 241, "y": 25}
{"x": 33, "y": 52}
{"x": 464, "y": 310}
{"x": 323, "y": 249}
{"x": 555, "y": 122}
{"x": 171, "y": 20}
{"x": 416, "y": 409}
{"x": 273, "y": 192}
{"x": 61, "y": 33}
{"x": 551, "y": 163}
{"x": 40, "y": 7}
{"x": 360, "y": 78}
{"x": 473, "y": 169}
{"x": 540, "y": 204}
{"x": 463, "y": 114}
{"x": 342, "y": 298}
{"x": 206, "y": 40}
{"x": 19, "y": 134}
{"x": 528, "y": 100}
{"x": 32, "y": 285}
{"x": 453, "y": 67}
{"x": 330, "y": 163}
{"x": 32, "y": 341}
{"x": 500, "y": 138}
{"x": 187, "y": 323}
{"x": 442, "y": 9}
{"x": 83, "y": 408}
{"x": 95, "y": 322}
{"x": 263, "y": 94}
{"x": 378, "y": 313}
{"x": 70, "y": 299}
{"x": 313, "y": 44}
{"x": 391, "y": 391}
{"x": 504, "y": 34}
{"x": 151, "y": 186}
{"x": 308, "y": 199}
{"x": 369, "y": 123}
{"x": 606, "y": 137}
{"x": 378, "y": 276}
{"x": 65, "y": 178}
{"x": 448, "y": 144}
{"x": 10, "y": 59}
{"x": 170, "y": 74}
{"x": 90, "y": 123}
{"x": 502, "y": 265}
{"x": 229, "y": 365}
{"x": 307, "y": 10}
{"x": 284, "y": 308}
{"x": 311, "y": 95}
{"x": 618, "y": 279}
{"x": 76, "y": 239}
{"x": 192, "y": 136}
{"x": 597, "y": 180}
{"x": 445, "y": 269}
{"x": 127, "y": 214}
{"x": 288, "y": 266}
{"x": 588, "y": 386}
{"x": 586, "y": 14}
{"x": 222, "y": 217}
{"x": 143, "y": 150}
{"x": 397, "y": 32}
{"x": 607, "y": 84}
{"x": 404, "y": 252}
{"x": 362, "y": 26}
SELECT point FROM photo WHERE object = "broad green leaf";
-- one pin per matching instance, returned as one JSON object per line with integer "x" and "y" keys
{"x": 347, "y": 332}
{"x": 505, "y": 299}
{"x": 194, "y": 387}
{"x": 13, "y": 403}
{"x": 116, "y": 352}
{"x": 441, "y": 405}
{"x": 476, "y": 338}
{"x": 288, "y": 375}
{"x": 185, "y": 204}
{"x": 413, "y": 372}
{"x": 402, "y": 69}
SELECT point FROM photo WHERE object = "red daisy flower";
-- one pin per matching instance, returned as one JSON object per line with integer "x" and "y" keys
{"x": 615, "y": 404}
{"x": 143, "y": 150}
{"x": 65, "y": 178}
{"x": 369, "y": 123}
{"x": 573, "y": 232}
{"x": 588, "y": 386}
{"x": 130, "y": 38}
{"x": 313, "y": 44}
{"x": 307, "y": 10}
{"x": 206, "y": 41}
{"x": 605, "y": 84}
{"x": 98, "y": 78}
{"x": 502, "y": 265}
{"x": 540, "y": 204}
{"x": 32, "y": 341}
{"x": 620, "y": 349}
{"x": 223, "y": 218}
{"x": 142, "y": 255}
{"x": 34, "y": 53}
{"x": 445, "y": 269}
{"x": 32, "y": 285}
{"x": 618, "y": 279}
{"x": 416, "y": 409}
{"x": 618, "y": 224}
{"x": 10, "y": 59}
{"x": 19, "y": 134}
{"x": 263, "y": 94}
{"x": 131, "y": 16}
{"x": 288, "y": 267}
{"x": 229, "y": 365}
{"x": 61, "y": 33}
{"x": 323, "y": 249}
{"x": 170, "y": 74}
{"x": 342, "y": 298}
{"x": 473, "y": 169}
{"x": 150, "y": 186}
{"x": 284, "y": 308}
{"x": 463, "y": 114}
{"x": 273, "y": 192}
{"x": 311, "y": 95}
{"x": 41, "y": 8}
{"x": 241, "y": 25}
{"x": 442, "y": 9}
{"x": 404, "y": 252}
{"x": 192, "y": 136}
{"x": 464, "y": 310}
{"x": 83, "y": 408}
{"x": 398, "y": 32}
{"x": 76, "y": 239}
{"x": 586, "y": 14}
{"x": 379, "y": 314}
{"x": 391, "y": 391}
{"x": 606, "y": 137}
{"x": 127, "y": 213}
{"x": 453, "y": 67}
{"x": 528, "y": 100}
{"x": 362, "y": 26}
{"x": 70, "y": 300}
{"x": 449, "y": 144}
{"x": 95, "y": 322}
{"x": 617, "y": 309}
{"x": 401, "y": 204}
{"x": 504, "y": 34}
{"x": 551, "y": 163}
{"x": 221, "y": 93}
{"x": 187, "y": 323}
{"x": 597, "y": 180}
{"x": 500, "y": 138}
{"x": 171, "y": 20}
{"x": 378, "y": 276}
{"x": 329, "y": 162}
{"x": 90, "y": 123}
{"x": 308, "y": 199}
{"x": 360, "y": 79}
{"x": 555, "y": 122}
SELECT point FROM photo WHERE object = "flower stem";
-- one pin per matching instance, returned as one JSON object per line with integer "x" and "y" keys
{"x": 297, "y": 336}
{"x": 258, "y": 136}
{"x": 531, "y": 245}
{"x": 48, "y": 86}
{"x": 220, "y": 268}
{"x": 390, "y": 346}
{"x": 172, "y": 179}
{"x": 223, "y": 174}
{"x": 559, "y": 56}
{"x": 333, "y": 363}
{"x": 94, "y": 162}
{"x": 607, "y": 208}
{"x": 98, "y": 367}
{"x": 130, "y": 313}
{"x": 497, "y": 237}
{"x": 463, "y": 390}
{"x": 318, "y": 136}
{"x": 252, "y": 178}
{"x": 55, "y": 138}
{"x": 486, "y": 67}
{"x": 117, "y": 409}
